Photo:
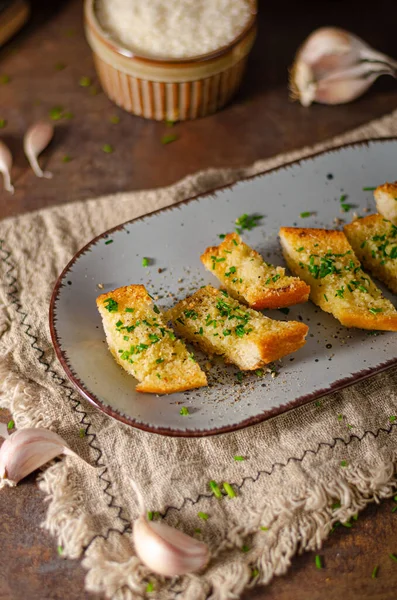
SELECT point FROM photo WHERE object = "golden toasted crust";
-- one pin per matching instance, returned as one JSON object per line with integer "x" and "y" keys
{"x": 386, "y": 201}
{"x": 374, "y": 240}
{"x": 219, "y": 324}
{"x": 249, "y": 279}
{"x": 326, "y": 261}
{"x": 143, "y": 345}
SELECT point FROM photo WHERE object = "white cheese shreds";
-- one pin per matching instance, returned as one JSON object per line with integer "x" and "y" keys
{"x": 173, "y": 28}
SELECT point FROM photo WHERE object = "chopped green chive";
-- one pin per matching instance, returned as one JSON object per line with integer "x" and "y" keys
{"x": 60, "y": 66}
{"x": 346, "y": 207}
{"x": 60, "y": 550}
{"x": 215, "y": 489}
{"x": 82, "y": 432}
{"x": 392, "y": 418}
{"x": 254, "y": 573}
{"x": 343, "y": 463}
{"x": 234, "y": 242}
{"x": 325, "y": 297}
{"x": 318, "y": 561}
{"x": 169, "y": 122}
{"x": 305, "y": 214}
{"x": 336, "y": 505}
{"x": 108, "y": 242}
{"x": 374, "y": 573}
{"x": 340, "y": 417}
{"x": 197, "y": 530}
{"x": 156, "y": 309}
{"x": 393, "y": 510}
{"x": 239, "y": 376}
{"x": 5, "y": 79}
{"x": 149, "y": 587}
{"x": 84, "y": 81}
{"x": 369, "y": 189}
{"x": 247, "y": 222}
{"x": 3, "y": 123}
{"x": 119, "y": 322}
{"x": 169, "y": 138}
{"x": 184, "y": 411}
{"x": 125, "y": 338}
{"x": 300, "y": 249}
{"x": 145, "y": 261}
{"x": 56, "y": 113}
{"x": 221, "y": 236}
{"x": 375, "y": 311}
{"x": 355, "y": 517}
{"x": 10, "y": 424}
{"x": 66, "y": 158}
{"x": 204, "y": 516}
{"x": 264, "y": 528}
{"x": 393, "y": 557}
{"x": 229, "y": 490}
{"x": 245, "y": 548}
{"x": 150, "y": 515}
{"x": 238, "y": 458}
{"x": 347, "y": 524}
{"x": 114, "y": 119}
{"x": 107, "y": 148}
{"x": 159, "y": 361}
{"x": 259, "y": 372}
{"x": 111, "y": 305}
{"x": 129, "y": 310}
{"x": 317, "y": 403}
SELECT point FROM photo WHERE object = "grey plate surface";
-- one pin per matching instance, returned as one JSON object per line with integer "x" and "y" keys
{"x": 174, "y": 239}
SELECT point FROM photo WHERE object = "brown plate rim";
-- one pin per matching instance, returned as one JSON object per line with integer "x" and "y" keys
{"x": 193, "y": 433}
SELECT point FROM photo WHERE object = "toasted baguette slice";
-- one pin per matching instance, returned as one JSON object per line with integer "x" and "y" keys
{"x": 249, "y": 279}
{"x": 144, "y": 346}
{"x": 374, "y": 240}
{"x": 326, "y": 261}
{"x": 386, "y": 201}
{"x": 219, "y": 324}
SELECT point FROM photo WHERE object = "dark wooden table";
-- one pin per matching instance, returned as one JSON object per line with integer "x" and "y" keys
{"x": 261, "y": 122}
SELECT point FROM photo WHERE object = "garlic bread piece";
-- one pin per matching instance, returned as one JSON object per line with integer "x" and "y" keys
{"x": 219, "y": 324}
{"x": 249, "y": 279}
{"x": 144, "y": 346}
{"x": 386, "y": 201}
{"x": 374, "y": 240}
{"x": 326, "y": 261}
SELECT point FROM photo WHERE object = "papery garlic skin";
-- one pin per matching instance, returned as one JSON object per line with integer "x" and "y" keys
{"x": 36, "y": 139}
{"x": 167, "y": 551}
{"x": 26, "y": 450}
{"x": 5, "y": 167}
{"x": 334, "y": 66}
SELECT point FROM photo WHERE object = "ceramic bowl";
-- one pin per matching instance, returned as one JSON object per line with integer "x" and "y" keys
{"x": 165, "y": 89}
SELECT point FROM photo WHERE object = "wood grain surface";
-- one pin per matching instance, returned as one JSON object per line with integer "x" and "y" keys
{"x": 260, "y": 122}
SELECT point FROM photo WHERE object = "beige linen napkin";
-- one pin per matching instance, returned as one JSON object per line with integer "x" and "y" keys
{"x": 288, "y": 488}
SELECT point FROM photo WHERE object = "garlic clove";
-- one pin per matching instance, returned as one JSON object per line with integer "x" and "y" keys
{"x": 5, "y": 167}
{"x": 165, "y": 550}
{"x": 36, "y": 139}
{"x": 26, "y": 450}
{"x": 334, "y": 66}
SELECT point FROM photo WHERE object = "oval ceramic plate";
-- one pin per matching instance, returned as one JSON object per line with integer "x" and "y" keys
{"x": 173, "y": 239}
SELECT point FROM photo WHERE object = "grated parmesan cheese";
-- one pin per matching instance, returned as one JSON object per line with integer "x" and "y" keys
{"x": 173, "y": 29}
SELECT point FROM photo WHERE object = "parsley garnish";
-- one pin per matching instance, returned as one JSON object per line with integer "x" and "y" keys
{"x": 305, "y": 214}
{"x": 111, "y": 305}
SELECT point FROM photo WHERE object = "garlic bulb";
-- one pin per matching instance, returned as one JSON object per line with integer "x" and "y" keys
{"x": 165, "y": 550}
{"x": 5, "y": 167}
{"x": 334, "y": 66}
{"x": 26, "y": 450}
{"x": 36, "y": 139}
